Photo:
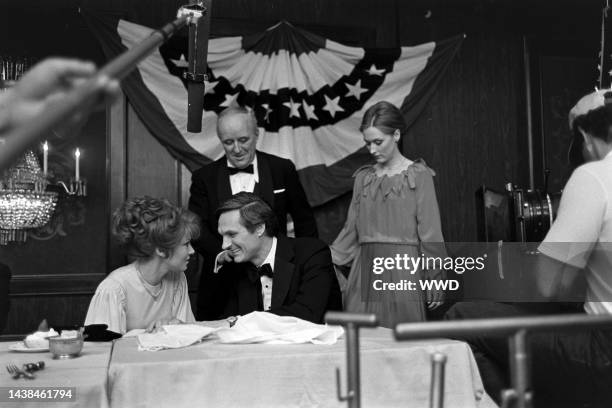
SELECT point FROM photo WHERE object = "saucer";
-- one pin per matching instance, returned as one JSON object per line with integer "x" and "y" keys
{"x": 21, "y": 348}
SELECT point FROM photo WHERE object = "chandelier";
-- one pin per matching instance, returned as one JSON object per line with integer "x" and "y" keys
{"x": 25, "y": 202}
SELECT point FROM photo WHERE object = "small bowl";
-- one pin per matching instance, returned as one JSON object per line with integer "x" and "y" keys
{"x": 62, "y": 347}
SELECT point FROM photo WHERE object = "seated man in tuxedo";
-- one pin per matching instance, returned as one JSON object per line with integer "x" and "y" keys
{"x": 259, "y": 269}
{"x": 243, "y": 169}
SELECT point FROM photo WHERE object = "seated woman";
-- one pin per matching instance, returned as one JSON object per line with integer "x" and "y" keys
{"x": 152, "y": 290}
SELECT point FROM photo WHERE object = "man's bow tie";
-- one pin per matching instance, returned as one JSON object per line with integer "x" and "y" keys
{"x": 234, "y": 170}
{"x": 264, "y": 270}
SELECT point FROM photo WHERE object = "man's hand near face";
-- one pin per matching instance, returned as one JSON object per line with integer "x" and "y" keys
{"x": 222, "y": 258}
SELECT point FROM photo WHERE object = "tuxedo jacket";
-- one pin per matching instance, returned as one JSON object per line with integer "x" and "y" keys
{"x": 304, "y": 284}
{"x": 279, "y": 185}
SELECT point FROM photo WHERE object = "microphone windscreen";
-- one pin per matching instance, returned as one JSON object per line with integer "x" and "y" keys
{"x": 195, "y": 106}
{"x": 198, "y": 51}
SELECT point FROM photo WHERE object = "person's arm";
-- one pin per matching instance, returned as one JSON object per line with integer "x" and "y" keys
{"x": 303, "y": 218}
{"x": 43, "y": 85}
{"x": 108, "y": 307}
{"x": 344, "y": 247}
{"x": 315, "y": 289}
{"x": 181, "y": 306}
{"x": 558, "y": 281}
{"x": 570, "y": 240}
{"x": 429, "y": 228}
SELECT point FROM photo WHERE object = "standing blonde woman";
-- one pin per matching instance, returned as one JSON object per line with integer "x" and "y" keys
{"x": 152, "y": 290}
{"x": 393, "y": 212}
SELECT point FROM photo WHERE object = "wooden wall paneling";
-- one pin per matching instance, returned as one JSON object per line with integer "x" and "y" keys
{"x": 185, "y": 184}
{"x": 68, "y": 257}
{"x": 59, "y": 310}
{"x": 150, "y": 168}
{"x": 322, "y": 17}
{"x": 249, "y": 16}
{"x": 473, "y": 132}
{"x": 557, "y": 96}
{"x": 116, "y": 165}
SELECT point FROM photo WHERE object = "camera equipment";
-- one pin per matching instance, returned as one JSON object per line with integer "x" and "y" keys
{"x": 515, "y": 215}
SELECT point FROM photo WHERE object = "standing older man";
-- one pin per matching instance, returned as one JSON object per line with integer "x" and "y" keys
{"x": 243, "y": 169}
{"x": 258, "y": 270}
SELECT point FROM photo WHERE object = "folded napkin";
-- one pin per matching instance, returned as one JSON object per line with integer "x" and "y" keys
{"x": 268, "y": 328}
{"x": 173, "y": 336}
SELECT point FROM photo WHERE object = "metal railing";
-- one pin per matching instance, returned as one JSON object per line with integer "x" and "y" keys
{"x": 518, "y": 328}
{"x": 351, "y": 323}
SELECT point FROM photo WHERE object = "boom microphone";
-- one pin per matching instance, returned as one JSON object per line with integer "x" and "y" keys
{"x": 199, "y": 29}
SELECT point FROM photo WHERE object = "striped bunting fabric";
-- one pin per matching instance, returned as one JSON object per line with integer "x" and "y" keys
{"x": 308, "y": 94}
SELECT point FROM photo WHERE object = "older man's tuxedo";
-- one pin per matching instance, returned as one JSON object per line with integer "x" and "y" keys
{"x": 278, "y": 185}
{"x": 304, "y": 284}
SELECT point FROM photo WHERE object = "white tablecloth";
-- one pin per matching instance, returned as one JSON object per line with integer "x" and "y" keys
{"x": 393, "y": 374}
{"x": 87, "y": 373}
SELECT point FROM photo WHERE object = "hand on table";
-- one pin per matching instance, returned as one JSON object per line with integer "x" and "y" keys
{"x": 158, "y": 325}
{"x": 214, "y": 323}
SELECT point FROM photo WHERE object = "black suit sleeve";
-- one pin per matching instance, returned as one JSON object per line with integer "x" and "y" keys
{"x": 208, "y": 243}
{"x": 303, "y": 218}
{"x": 315, "y": 290}
{"x": 220, "y": 302}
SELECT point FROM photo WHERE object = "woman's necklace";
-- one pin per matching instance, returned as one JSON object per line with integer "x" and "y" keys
{"x": 153, "y": 290}
{"x": 395, "y": 168}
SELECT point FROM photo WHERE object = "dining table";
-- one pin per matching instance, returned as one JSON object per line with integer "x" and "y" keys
{"x": 74, "y": 383}
{"x": 213, "y": 374}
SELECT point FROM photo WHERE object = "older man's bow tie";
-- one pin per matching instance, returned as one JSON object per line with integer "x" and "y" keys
{"x": 234, "y": 170}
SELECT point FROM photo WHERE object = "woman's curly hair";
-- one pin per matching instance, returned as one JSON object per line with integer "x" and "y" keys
{"x": 143, "y": 224}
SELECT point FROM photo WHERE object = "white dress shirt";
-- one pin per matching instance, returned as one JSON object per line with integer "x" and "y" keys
{"x": 244, "y": 181}
{"x": 266, "y": 281}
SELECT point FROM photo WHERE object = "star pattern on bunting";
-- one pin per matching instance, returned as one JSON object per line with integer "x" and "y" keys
{"x": 266, "y": 106}
{"x": 230, "y": 100}
{"x": 375, "y": 71}
{"x": 332, "y": 105}
{"x": 209, "y": 87}
{"x": 325, "y": 106}
{"x": 355, "y": 90}
{"x": 309, "y": 109}
{"x": 309, "y": 113}
{"x": 181, "y": 62}
{"x": 294, "y": 107}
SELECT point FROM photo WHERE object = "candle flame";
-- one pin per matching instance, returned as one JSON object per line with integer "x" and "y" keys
{"x": 77, "y": 152}
{"x": 45, "y": 146}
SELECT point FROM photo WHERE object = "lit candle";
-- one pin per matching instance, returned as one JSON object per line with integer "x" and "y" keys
{"x": 45, "y": 157}
{"x": 77, "y": 154}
